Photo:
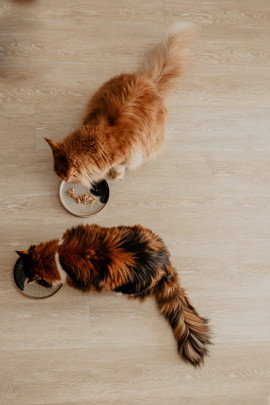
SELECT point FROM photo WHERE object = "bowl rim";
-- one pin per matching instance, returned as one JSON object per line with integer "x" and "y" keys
{"x": 29, "y": 296}
{"x": 80, "y": 215}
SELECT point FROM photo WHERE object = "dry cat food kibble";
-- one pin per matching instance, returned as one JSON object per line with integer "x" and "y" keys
{"x": 88, "y": 198}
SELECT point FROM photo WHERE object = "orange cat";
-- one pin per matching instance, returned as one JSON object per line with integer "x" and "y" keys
{"x": 125, "y": 121}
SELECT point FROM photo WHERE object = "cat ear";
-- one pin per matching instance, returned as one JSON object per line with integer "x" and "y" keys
{"x": 53, "y": 144}
{"x": 22, "y": 253}
{"x": 70, "y": 173}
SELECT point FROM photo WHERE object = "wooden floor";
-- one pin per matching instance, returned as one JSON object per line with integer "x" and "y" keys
{"x": 208, "y": 196}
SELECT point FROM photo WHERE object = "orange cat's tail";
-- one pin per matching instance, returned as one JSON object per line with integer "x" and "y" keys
{"x": 167, "y": 61}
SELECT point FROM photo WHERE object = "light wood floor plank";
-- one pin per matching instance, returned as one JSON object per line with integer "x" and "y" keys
{"x": 84, "y": 372}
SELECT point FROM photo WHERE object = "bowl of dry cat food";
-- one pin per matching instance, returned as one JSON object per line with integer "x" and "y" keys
{"x": 81, "y": 201}
{"x": 33, "y": 289}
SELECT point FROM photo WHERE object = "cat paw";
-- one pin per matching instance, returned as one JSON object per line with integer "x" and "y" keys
{"x": 116, "y": 175}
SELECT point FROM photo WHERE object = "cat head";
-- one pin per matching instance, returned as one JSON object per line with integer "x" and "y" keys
{"x": 64, "y": 165}
{"x": 39, "y": 264}
{"x": 73, "y": 168}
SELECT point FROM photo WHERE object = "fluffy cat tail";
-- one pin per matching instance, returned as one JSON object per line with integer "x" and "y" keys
{"x": 167, "y": 61}
{"x": 190, "y": 330}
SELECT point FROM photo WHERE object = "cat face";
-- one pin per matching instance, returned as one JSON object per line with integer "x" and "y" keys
{"x": 39, "y": 266}
{"x": 64, "y": 167}
{"x": 71, "y": 168}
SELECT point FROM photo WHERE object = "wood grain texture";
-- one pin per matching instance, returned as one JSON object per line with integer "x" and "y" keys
{"x": 135, "y": 374}
{"x": 207, "y": 196}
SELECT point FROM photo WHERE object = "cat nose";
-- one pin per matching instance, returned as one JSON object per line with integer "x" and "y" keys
{"x": 69, "y": 174}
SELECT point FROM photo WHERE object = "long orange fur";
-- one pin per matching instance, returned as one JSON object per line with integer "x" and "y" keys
{"x": 125, "y": 122}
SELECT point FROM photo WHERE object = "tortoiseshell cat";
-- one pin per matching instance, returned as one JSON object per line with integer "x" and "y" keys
{"x": 124, "y": 125}
{"x": 128, "y": 259}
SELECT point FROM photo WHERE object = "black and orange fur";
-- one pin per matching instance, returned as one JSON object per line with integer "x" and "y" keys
{"x": 131, "y": 260}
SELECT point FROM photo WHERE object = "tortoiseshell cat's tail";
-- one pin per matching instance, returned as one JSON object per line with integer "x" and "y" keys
{"x": 166, "y": 63}
{"x": 190, "y": 330}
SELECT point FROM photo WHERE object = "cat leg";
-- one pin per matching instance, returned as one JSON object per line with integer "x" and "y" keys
{"x": 117, "y": 172}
